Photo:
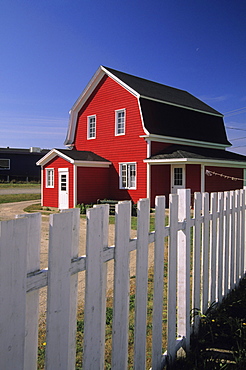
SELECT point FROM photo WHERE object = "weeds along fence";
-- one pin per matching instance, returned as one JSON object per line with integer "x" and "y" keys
{"x": 213, "y": 234}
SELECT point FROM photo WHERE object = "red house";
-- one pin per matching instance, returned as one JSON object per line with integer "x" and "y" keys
{"x": 131, "y": 138}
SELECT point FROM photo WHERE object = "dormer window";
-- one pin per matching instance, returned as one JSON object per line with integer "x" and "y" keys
{"x": 120, "y": 120}
{"x": 91, "y": 127}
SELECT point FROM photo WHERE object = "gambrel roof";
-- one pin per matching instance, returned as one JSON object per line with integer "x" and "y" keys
{"x": 162, "y": 93}
{"x": 168, "y": 114}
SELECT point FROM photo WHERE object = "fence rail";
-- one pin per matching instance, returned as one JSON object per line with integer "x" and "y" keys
{"x": 213, "y": 235}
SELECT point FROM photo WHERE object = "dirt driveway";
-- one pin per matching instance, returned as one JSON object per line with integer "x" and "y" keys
{"x": 9, "y": 210}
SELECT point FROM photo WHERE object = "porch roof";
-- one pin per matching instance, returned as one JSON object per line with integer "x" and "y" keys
{"x": 179, "y": 152}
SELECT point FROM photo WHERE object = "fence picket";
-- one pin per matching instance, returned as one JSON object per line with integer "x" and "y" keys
{"x": 94, "y": 313}
{"x": 183, "y": 288}
{"x": 141, "y": 284}
{"x": 220, "y": 246}
{"x": 232, "y": 240}
{"x": 242, "y": 232}
{"x": 226, "y": 241}
{"x": 205, "y": 251}
{"x": 237, "y": 236}
{"x": 213, "y": 247}
{"x": 196, "y": 286}
{"x": 158, "y": 283}
{"x": 61, "y": 300}
{"x": 13, "y": 264}
{"x": 121, "y": 287}
{"x": 172, "y": 277}
{"x": 32, "y": 298}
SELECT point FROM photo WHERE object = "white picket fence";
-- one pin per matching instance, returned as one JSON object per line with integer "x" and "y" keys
{"x": 218, "y": 252}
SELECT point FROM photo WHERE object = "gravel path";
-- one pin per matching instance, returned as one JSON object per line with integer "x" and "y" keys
{"x": 20, "y": 191}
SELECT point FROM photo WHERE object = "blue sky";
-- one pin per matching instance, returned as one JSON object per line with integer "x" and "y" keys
{"x": 50, "y": 49}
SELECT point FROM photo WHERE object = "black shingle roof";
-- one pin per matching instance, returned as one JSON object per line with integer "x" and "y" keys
{"x": 175, "y": 113}
{"x": 164, "y": 93}
{"x": 180, "y": 151}
{"x": 82, "y": 155}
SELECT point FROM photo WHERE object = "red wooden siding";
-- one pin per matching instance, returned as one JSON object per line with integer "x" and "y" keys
{"x": 92, "y": 184}
{"x": 160, "y": 181}
{"x": 193, "y": 177}
{"x": 217, "y": 183}
{"x": 50, "y": 195}
{"x": 110, "y": 96}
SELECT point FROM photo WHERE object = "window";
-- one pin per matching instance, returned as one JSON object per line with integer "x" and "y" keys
{"x": 128, "y": 176}
{"x": 4, "y": 164}
{"x": 91, "y": 127}
{"x": 178, "y": 176}
{"x": 120, "y": 118}
{"x": 49, "y": 177}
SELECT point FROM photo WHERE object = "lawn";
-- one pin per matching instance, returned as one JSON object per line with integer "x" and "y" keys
{"x": 11, "y": 185}
{"x": 10, "y": 198}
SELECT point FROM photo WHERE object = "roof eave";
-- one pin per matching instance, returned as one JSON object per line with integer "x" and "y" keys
{"x": 183, "y": 141}
{"x": 205, "y": 161}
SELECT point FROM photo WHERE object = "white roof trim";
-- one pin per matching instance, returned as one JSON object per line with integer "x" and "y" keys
{"x": 182, "y": 141}
{"x": 207, "y": 162}
{"x": 90, "y": 87}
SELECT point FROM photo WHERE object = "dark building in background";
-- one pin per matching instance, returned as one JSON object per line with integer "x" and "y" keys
{"x": 20, "y": 164}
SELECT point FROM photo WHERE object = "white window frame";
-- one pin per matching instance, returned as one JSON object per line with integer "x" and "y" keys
{"x": 125, "y": 179}
{"x": 118, "y": 130}
{"x": 50, "y": 181}
{"x": 5, "y": 168}
{"x": 89, "y": 126}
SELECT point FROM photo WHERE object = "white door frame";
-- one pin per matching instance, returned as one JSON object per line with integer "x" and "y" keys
{"x": 175, "y": 187}
{"x": 63, "y": 193}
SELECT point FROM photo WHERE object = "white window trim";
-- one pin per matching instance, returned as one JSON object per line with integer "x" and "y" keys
{"x": 116, "y": 122}
{"x": 46, "y": 178}
{"x": 6, "y": 168}
{"x": 120, "y": 175}
{"x": 88, "y": 127}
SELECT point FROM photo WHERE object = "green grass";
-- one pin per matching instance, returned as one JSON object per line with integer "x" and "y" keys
{"x": 11, "y": 185}
{"x": 10, "y": 198}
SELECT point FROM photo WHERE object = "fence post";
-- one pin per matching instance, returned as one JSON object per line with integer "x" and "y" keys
{"x": 183, "y": 291}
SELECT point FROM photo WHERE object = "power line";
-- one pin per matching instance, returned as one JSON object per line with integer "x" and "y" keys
{"x": 235, "y": 128}
{"x": 235, "y": 112}
{"x": 238, "y": 138}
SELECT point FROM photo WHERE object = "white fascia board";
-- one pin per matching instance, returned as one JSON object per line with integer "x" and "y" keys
{"x": 52, "y": 154}
{"x": 132, "y": 91}
{"x": 92, "y": 164}
{"x": 182, "y": 106}
{"x": 181, "y": 141}
{"x": 205, "y": 162}
{"x": 92, "y": 84}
